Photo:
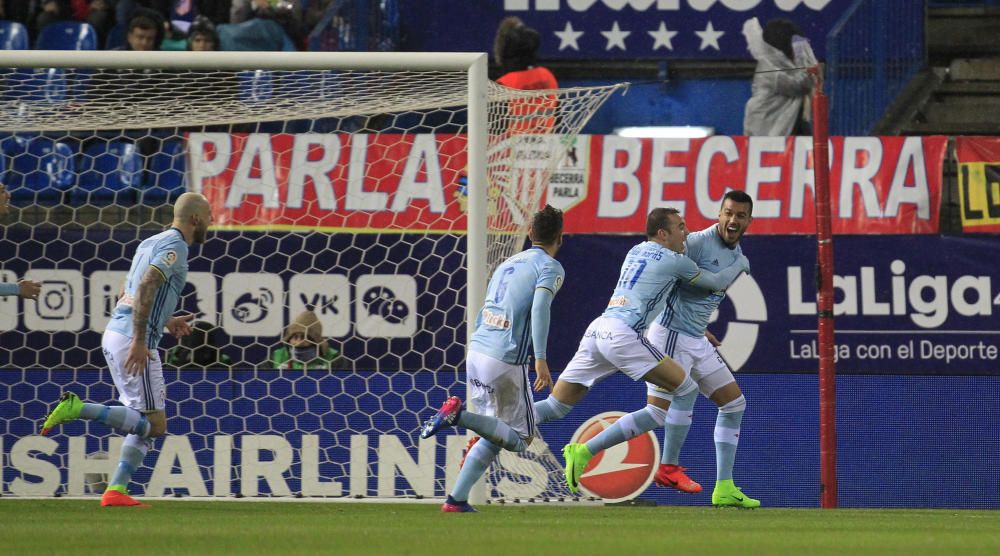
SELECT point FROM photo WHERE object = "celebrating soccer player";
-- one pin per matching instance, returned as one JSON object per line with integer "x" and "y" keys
{"x": 614, "y": 341}
{"x": 681, "y": 330}
{"x": 150, "y": 295}
{"x": 513, "y": 323}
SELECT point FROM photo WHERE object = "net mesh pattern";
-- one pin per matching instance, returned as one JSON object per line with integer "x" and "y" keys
{"x": 341, "y": 192}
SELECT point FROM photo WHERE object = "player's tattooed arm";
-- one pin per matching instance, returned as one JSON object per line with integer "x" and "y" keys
{"x": 143, "y": 303}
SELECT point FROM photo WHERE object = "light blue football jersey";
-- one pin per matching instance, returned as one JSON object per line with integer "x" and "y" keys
{"x": 648, "y": 277}
{"x": 503, "y": 328}
{"x": 167, "y": 252}
{"x": 690, "y": 310}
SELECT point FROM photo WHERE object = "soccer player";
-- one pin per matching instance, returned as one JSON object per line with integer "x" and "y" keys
{"x": 150, "y": 295}
{"x": 614, "y": 341}
{"x": 681, "y": 329}
{"x": 513, "y": 323}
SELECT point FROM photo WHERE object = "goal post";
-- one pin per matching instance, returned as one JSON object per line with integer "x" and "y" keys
{"x": 376, "y": 189}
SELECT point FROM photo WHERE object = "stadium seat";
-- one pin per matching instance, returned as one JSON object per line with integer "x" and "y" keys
{"x": 36, "y": 85}
{"x": 109, "y": 173}
{"x": 165, "y": 175}
{"x": 256, "y": 85}
{"x": 67, "y": 35}
{"x": 40, "y": 171}
{"x": 13, "y": 36}
{"x": 116, "y": 37}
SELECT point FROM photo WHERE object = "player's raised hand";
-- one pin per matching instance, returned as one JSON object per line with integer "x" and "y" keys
{"x": 29, "y": 289}
{"x": 180, "y": 325}
{"x": 135, "y": 361}
{"x": 543, "y": 379}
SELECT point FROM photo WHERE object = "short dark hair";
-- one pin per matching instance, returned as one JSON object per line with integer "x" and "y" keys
{"x": 546, "y": 225}
{"x": 143, "y": 22}
{"x": 659, "y": 219}
{"x": 738, "y": 197}
{"x": 204, "y": 27}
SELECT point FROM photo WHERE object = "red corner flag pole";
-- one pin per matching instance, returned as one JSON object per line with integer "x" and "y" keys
{"x": 824, "y": 283}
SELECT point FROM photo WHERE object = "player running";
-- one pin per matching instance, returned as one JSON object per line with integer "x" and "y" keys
{"x": 150, "y": 295}
{"x": 513, "y": 324}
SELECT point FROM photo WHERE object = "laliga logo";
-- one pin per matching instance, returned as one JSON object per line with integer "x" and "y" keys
{"x": 742, "y": 333}
{"x": 623, "y": 471}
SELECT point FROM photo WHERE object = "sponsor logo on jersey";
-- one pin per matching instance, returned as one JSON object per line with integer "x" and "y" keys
{"x": 618, "y": 301}
{"x": 495, "y": 320}
{"x": 623, "y": 471}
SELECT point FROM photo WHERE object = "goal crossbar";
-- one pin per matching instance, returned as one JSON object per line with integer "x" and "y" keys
{"x": 125, "y": 59}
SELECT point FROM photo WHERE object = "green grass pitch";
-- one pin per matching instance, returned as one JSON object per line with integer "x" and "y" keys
{"x": 244, "y": 528}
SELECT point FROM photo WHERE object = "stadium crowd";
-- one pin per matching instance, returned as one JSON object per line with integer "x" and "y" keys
{"x": 250, "y": 25}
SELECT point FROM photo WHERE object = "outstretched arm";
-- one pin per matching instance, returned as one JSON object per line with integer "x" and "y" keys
{"x": 138, "y": 353}
{"x": 27, "y": 289}
{"x": 540, "y": 315}
{"x": 713, "y": 281}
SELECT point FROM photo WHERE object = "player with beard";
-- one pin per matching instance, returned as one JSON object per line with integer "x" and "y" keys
{"x": 681, "y": 331}
{"x": 615, "y": 341}
{"x": 148, "y": 299}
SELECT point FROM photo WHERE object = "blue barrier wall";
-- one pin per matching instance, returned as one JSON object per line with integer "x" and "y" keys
{"x": 903, "y": 441}
{"x": 914, "y": 431}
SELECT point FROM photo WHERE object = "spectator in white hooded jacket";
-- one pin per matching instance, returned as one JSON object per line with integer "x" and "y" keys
{"x": 776, "y": 105}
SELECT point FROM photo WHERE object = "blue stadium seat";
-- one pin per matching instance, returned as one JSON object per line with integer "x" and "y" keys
{"x": 116, "y": 37}
{"x": 256, "y": 85}
{"x": 40, "y": 171}
{"x": 67, "y": 35}
{"x": 41, "y": 84}
{"x": 13, "y": 36}
{"x": 109, "y": 173}
{"x": 165, "y": 175}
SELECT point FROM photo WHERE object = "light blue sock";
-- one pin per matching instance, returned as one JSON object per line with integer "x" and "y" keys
{"x": 134, "y": 449}
{"x": 477, "y": 461}
{"x": 678, "y": 424}
{"x": 550, "y": 409}
{"x": 492, "y": 429}
{"x": 122, "y": 419}
{"x": 629, "y": 426}
{"x": 727, "y": 437}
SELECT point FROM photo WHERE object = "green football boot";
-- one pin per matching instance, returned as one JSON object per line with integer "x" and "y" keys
{"x": 68, "y": 410}
{"x": 728, "y": 495}
{"x": 577, "y": 456}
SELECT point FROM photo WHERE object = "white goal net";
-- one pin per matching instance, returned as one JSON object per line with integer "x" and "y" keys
{"x": 374, "y": 190}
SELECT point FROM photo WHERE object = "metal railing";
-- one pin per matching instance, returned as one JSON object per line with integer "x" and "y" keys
{"x": 872, "y": 52}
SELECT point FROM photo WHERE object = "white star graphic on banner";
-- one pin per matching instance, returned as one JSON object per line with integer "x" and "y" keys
{"x": 662, "y": 37}
{"x": 709, "y": 37}
{"x": 616, "y": 37}
{"x": 568, "y": 37}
